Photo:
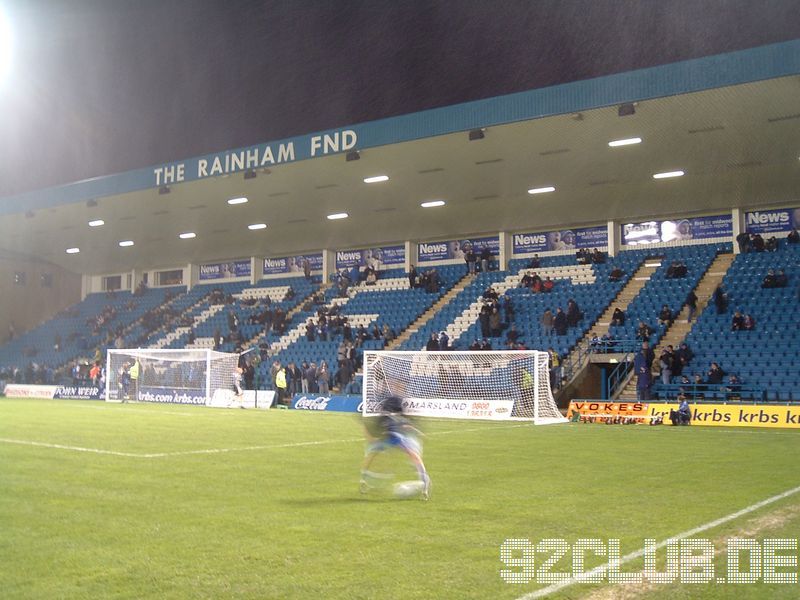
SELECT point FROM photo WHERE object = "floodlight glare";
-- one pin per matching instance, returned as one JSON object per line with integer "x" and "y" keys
{"x": 6, "y": 46}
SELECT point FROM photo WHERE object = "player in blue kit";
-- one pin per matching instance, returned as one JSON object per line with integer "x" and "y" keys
{"x": 393, "y": 429}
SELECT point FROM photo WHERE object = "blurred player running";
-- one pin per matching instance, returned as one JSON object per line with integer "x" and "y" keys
{"x": 393, "y": 429}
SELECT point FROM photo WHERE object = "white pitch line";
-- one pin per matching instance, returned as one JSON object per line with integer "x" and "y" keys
{"x": 222, "y": 450}
{"x": 583, "y": 577}
{"x": 73, "y": 448}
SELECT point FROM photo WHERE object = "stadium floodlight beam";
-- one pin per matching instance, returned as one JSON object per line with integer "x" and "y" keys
{"x": 6, "y": 46}
{"x": 187, "y": 235}
{"x": 126, "y": 243}
{"x": 432, "y": 204}
{"x": 542, "y": 190}
{"x": 668, "y": 174}
{"x": 241, "y": 200}
{"x": 96, "y": 223}
{"x": 257, "y": 226}
{"x": 337, "y": 216}
{"x": 73, "y": 250}
{"x": 625, "y": 142}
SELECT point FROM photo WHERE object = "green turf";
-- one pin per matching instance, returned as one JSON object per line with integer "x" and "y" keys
{"x": 272, "y": 518}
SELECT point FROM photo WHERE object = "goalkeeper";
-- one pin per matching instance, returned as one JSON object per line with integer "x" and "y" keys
{"x": 393, "y": 429}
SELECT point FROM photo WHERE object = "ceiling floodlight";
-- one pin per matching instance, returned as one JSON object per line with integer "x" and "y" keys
{"x": 542, "y": 190}
{"x": 376, "y": 179}
{"x": 187, "y": 236}
{"x": 668, "y": 174}
{"x": 337, "y": 216}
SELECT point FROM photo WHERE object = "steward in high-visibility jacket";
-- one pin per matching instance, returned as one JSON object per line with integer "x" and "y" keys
{"x": 280, "y": 384}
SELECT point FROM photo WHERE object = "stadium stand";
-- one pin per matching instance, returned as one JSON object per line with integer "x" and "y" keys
{"x": 769, "y": 355}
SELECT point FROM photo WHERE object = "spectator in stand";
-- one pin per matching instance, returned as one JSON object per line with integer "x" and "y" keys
{"x": 512, "y": 336}
{"x": 294, "y": 376}
{"x": 547, "y": 321}
{"x": 483, "y": 319}
{"x": 598, "y": 257}
{"x": 720, "y": 299}
{"x": 691, "y": 302}
{"x": 412, "y": 277}
{"x": 582, "y": 257}
{"x": 616, "y": 274}
{"x": 676, "y": 270}
{"x": 433, "y": 343}
{"x": 486, "y": 344}
{"x": 506, "y": 305}
{"x": 643, "y": 376}
{"x": 665, "y": 316}
{"x": 495, "y": 323}
{"x": 737, "y": 321}
{"x": 769, "y": 280}
{"x": 560, "y": 322}
{"x": 475, "y": 345}
{"x": 643, "y": 331}
{"x": 323, "y": 378}
{"x": 444, "y": 341}
{"x": 733, "y": 388}
{"x": 547, "y": 285}
{"x": 574, "y": 313}
{"x": 470, "y": 259}
{"x": 343, "y": 375}
{"x": 311, "y": 378}
{"x": 525, "y": 280}
{"x": 486, "y": 258}
{"x": 217, "y": 338}
{"x": 665, "y": 364}
{"x": 793, "y": 237}
{"x": 757, "y": 242}
{"x": 715, "y": 374}
{"x": 743, "y": 239}
{"x": 372, "y": 277}
{"x": 535, "y": 262}
{"x": 698, "y": 386}
{"x": 311, "y": 330}
{"x": 618, "y": 318}
{"x": 749, "y": 323}
{"x": 781, "y": 279}
{"x": 537, "y": 285}
{"x": 490, "y": 294}
{"x": 771, "y": 244}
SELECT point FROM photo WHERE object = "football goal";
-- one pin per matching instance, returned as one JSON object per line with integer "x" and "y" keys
{"x": 189, "y": 376}
{"x": 495, "y": 385}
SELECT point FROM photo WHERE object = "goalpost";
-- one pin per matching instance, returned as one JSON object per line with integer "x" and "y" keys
{"x": 189, "y": 376}
{"x": 496, "y": 385}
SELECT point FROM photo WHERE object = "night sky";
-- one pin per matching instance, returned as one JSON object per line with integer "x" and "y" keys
{"x": 104, "y": 86}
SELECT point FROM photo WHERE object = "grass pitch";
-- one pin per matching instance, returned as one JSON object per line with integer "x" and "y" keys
{"x": 152, "y": 501}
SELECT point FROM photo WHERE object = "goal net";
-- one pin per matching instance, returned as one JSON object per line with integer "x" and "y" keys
{"x": 463, "y": 385}
{"x": 190, "y": 376}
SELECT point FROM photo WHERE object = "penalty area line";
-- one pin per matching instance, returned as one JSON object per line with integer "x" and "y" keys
{"x": 601, "y": 570}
